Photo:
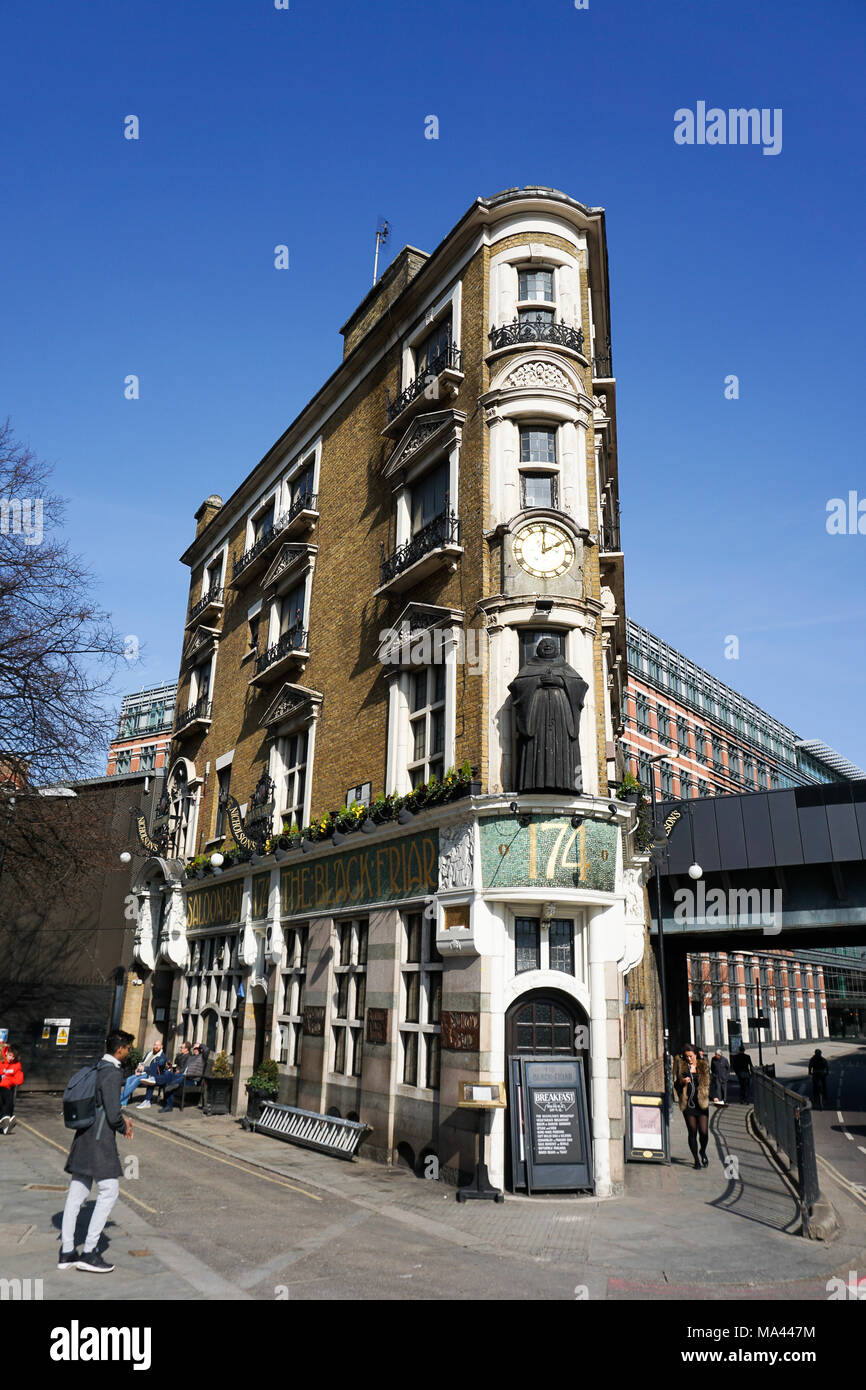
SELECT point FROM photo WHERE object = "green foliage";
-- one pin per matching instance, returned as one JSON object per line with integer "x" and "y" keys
{"x": 221, "y": 1065}
{"x": 265, "y": 1081}
{"x": 135, "y": 1056}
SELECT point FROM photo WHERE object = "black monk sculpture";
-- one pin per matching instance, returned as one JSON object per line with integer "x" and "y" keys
{"x": 547, "y": 695}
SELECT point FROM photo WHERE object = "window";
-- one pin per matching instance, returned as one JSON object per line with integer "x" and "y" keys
{"x": 293, "y": 756}
{"x": 535, "y": 288}
{"x": 350, "y": 985}
{"x": 717, "y": 754}
{"x": 562, "y": 945}
{"x": 700, "y": 745}
{"x": 426, "y": 723}
{"x": 428, "y": 496}
{"x": 293, "y": 973}
{"x": 213, "y": 575}
{"x": 421, "y": 1003}
{"x": 292, "y": 610}
{"x": 301, "y": 485}
{"x": 682, "y": 734}
{"x": 263, "y": 523}
{"x": 210, "y": 991}
{"x": 200, "y": 685}
{"x": 530, "y": 638}
{"x": 537, "y": 445}
{"x": 254, "y": 621}
{"x": 224, "y": 777}
{"x": 147, "y": 758}
{"x": 662, "y": 724}
{"x": 539, "y": 490}
{"x": 527, "y": 943}
{"x": 430, "y": 349}
{"x": 642, "y": 714}
{"x": 666, "y": 774}
{"x": 122, "y": 760}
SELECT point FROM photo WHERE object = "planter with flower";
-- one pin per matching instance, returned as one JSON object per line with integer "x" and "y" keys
{"x": 217, "y": 1086}
{"x": 262, "y": 1085}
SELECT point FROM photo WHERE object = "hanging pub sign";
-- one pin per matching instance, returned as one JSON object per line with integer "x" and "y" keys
{"x": 251, "y": 831}
{"x": 151, "y": 844}
{"x": 647, "y": 1138}
{"x": 550, "y": 1140}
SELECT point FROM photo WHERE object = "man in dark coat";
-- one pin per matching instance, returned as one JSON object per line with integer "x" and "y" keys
{"x": 547, "y": 695}
{"x": 720, "y": 1070}
{"x": 743, "y": 1069}
{"x": 94, "y": 1158}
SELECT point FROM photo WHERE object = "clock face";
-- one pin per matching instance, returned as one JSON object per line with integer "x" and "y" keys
{"x": 544, "y": 549}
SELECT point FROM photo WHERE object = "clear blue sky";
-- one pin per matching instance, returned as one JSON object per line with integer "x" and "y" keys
{"x": 261, "y": 126}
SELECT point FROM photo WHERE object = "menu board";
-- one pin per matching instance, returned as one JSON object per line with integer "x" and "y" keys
{"x": 647, "y": 1130}
{"x": 554, "y": 1147}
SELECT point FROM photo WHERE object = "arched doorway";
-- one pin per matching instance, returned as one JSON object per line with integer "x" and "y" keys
{"x": 541, "y": 1023}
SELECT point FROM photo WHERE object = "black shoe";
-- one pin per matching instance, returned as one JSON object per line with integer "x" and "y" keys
{"x": 93, "y": 1262}
{"x": 67, "y": 1259}
{"x": 705, "y": 1162}
{"x": 697, "y": 1165}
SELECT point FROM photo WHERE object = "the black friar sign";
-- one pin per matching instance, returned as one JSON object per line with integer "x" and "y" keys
{"x": 547, "y": 695}
{"x": 252, "y": 830}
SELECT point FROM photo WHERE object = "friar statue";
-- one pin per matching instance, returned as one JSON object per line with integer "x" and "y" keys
{"x": 547, "y": 695}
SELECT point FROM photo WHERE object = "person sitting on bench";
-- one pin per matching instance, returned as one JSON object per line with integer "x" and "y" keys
{"x": 190, "y": 1070}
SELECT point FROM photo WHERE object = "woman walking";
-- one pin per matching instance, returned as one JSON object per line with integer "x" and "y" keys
{"x": 692, "y": 1085}
{"x": 11, "y": 1077}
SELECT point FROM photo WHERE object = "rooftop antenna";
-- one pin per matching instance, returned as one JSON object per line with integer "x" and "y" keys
{"x": 383, "y": 231}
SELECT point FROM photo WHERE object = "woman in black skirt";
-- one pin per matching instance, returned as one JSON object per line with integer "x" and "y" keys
{"x": 692, "y": 1085}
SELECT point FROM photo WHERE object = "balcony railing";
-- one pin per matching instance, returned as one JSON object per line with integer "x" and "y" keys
{"x": 212, "y": 597}
{"x": 305, "y": 502}
{"x": 443, "y": 530}
{"x": 293, "y": 640}
{"x": 608, "y": 538}
{"x": 449, "y": 359}
{"x": 536, "y": 331}
{"x": 602, "y": 365}
{"x": 200, "y": 711}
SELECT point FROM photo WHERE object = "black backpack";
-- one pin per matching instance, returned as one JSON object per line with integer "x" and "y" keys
{"x": 79, "y": 1099}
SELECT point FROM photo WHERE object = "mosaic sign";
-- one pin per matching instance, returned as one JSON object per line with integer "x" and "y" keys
{"x": 261, "y": 893}
{"x": 377, "y": 1026}
{"x": 216, "y": 906}
{"x": 405, "y": 868}
{"x": 461, "y": 1031}
{"x": 548, "y": 853}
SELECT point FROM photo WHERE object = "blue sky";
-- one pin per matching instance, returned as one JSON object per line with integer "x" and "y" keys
{"x": 302, "y": 127}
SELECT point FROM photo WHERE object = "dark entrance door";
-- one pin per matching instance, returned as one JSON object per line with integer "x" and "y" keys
{"x": 541, "y": 1023}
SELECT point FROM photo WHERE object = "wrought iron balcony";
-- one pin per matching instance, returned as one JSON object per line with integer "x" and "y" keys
{"x": 439, "y": 539}
{"x": 608, "y": 538}
{"x": 293, "y": 643}
{"x": 602, "y": 365}
{"x": 448, "y": 360}
{"x": 303, "y": 511}
{"x": 538, "y": 330}
{"x": 214, "y": 598}
{"x": 199, "y": 713}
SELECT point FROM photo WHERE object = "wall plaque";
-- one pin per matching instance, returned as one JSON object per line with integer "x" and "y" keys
{"x": 377, "y": 1026}
{"x": 314, "y": 1021}
{"x": 460, "y": 1031}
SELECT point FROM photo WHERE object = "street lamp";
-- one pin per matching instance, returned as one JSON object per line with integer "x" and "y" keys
{"x": 126, "y": 857}
{"x": 658, "y": 837}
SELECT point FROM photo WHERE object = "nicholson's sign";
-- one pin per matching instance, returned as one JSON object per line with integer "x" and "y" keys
{"x": 405, "y": 868}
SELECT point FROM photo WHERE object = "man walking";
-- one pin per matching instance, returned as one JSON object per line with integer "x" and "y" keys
{"x": 818, "y": 1069}
{"x": 720, "y": 1070}
{"x": 742, "y": 1066}
{"x": 94, "y": 1158}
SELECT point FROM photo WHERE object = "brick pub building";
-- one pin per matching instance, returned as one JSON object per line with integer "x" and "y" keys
{"x": 143, "y": 731}
{"x": 358, "y": 607}
{"x": 718, "y": 742}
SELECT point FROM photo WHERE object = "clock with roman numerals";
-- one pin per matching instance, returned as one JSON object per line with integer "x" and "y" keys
{"x": 544, "y": 549}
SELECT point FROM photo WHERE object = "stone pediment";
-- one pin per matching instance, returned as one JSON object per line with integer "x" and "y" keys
{"x": 426, "y": 433}
{"x": 200, "y": 641}
{"x": 538, "y": 373}
{"x": 294, "y": 702}
{"x": 415, "y": 619}
{"x": 291, "y": 557}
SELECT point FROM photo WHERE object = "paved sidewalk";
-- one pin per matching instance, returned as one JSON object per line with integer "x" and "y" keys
{"x": 675, "y": 1228}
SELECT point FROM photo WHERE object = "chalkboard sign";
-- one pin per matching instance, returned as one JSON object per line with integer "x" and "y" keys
{"x": 552, "y": 1112}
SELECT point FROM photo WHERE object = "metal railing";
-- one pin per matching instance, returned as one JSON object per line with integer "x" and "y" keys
{"x": 213, "y": 595}
{"x": 200, "y": 710}
{"x": 328, "y": 1134}
{"x": 443, "y": 530}
{"x": 785, "y": 1118}
{"x": 450, "y": 358}
{"x": 306, "y": 501}
{"x": 536, "y": 331}
{"x": 294, "y": 639}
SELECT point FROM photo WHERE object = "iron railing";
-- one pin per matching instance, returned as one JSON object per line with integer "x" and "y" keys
{"x": 536, "y": 331}
{"x": 443, "y": 530}
{"x": 306, "y": 501}
{"x": 213, "y": 595}
{"x": 602, "y": 365}
{"x": 294, "y": 639}
{"x": 200, "y": 710}
{"x": 785, "y": 1117}
{"x": 450, "y": 358}
{"x": 608, "y": 537}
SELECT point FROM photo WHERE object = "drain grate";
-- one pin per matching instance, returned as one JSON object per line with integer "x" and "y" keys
{"x": 44, "y": 1187}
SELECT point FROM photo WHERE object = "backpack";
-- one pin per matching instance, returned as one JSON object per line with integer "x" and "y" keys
{"x": 79, "y": 1098}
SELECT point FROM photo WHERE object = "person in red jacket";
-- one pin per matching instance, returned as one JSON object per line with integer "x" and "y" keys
{"x": 11, "y": 1077}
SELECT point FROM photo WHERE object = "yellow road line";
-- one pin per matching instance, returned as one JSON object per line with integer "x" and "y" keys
{"x": 253, "y": 1172}
{"x": 844, "y": 1182}
{"x": 127, "y": 1196}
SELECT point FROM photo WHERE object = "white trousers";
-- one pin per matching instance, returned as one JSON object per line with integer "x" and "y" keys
{"x": 108, "y": 1191}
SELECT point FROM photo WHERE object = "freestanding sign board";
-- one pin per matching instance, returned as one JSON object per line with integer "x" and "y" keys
{"x": 551, "y": 1149}
{"x": 647, "y": 1137}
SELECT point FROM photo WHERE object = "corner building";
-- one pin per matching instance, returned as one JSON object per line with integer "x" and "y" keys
{"x": 358, "y": 608}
